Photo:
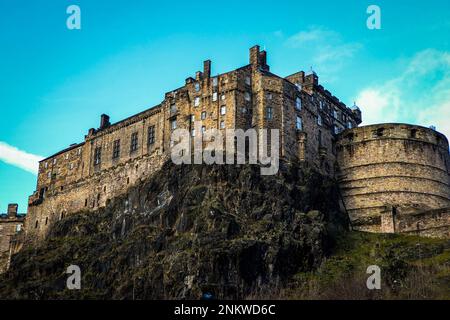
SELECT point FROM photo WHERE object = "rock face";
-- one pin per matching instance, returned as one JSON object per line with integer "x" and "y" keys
{"x": 188, "y": 230}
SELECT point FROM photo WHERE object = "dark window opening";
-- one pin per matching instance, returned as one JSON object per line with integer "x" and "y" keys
{"x": 46, "y": 220}
{"x": 151, "y": 135}
{"x": 134, "y": 142}
{"x": 116, "y": 149}
{"x": 36, "y": 225}
{"x": 97, "y": 155}
{"x": 85, "y": 202}
{"x": 379, "y": 132}
{"x": 414, "y": 133}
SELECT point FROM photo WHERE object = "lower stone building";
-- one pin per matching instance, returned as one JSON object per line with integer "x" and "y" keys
{"x": 11, "y": 223}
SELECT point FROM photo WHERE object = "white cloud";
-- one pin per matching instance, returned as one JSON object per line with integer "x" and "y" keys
{"x": 328, "y": 50}
{"x": 420, "y": 94}
{"x": 18, "y": 158}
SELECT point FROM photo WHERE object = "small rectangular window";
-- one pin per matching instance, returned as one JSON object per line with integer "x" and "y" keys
{"x": 214, "y": 97}
{"x": 116, "y": 149}
{"x": 173, "y": 108}
{"x": 197, "y": 101}
{"x": 222, "y": 124}
{"x": 269, "y": 113}
{"x": 203, "y": 115}
{"x": 173, "y": 124}
{"x": 223, "y": 110}
{"x": 151, "y": 135}
{"x": 197, "y": 86}
{"x": 298, "y": 123}
{"x": 247, "y": 96}
{"x": 214, "y": 82}
{"x": 97, "y": 155}
{"x": 248, "y": 81}
{"x": 134, "y": 142}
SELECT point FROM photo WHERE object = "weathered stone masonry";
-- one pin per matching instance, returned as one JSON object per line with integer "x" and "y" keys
{"x": 115, "y": 156}
{"x": 394, "y": 177}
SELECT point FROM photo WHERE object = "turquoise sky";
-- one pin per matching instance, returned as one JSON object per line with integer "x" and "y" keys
{"x": 55, "y": 82}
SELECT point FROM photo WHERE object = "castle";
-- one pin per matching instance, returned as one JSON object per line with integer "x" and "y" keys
{"x": 394, "y": 177}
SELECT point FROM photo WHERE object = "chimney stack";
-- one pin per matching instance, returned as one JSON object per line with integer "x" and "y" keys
{"x": 104, "y": 121}
{"x": 254, "y": 56}
{"x": 207, "y": 69}
{"x": 12, "y": 210}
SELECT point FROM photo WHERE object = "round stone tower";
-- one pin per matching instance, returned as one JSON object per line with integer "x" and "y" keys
{"x": 389, "y": 170}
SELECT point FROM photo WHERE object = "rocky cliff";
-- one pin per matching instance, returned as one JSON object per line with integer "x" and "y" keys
{"x": 184, "y": 232}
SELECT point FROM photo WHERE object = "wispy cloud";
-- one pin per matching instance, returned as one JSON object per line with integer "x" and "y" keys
{"x": 19, "y": 158}
{"x": 419, "y": 94}
{"x": 327, "y": 47}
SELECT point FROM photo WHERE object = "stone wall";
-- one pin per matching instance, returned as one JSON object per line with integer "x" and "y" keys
{"x": 10, "y": 224}
{"x": 112, "y": 157}
{"x": 392, "y": 167}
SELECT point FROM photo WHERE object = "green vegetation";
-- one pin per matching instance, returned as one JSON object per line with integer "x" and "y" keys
{"x": 411, "y": 268}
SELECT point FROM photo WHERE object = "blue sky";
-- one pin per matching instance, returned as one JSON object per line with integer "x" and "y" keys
{"x": 55, "y": 82}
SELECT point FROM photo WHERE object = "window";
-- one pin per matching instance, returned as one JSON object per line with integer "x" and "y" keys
{"x": 222, "y": 97}
{"x": 116, "y": 149}
{"x": 197, "y": 101}
{"x": 193, "y": 132}
{"x": 203, "y": 130}
{"x": 173, "y": 108}
{"x": 215, "y": 82}
{"x": 173, "y": 124}
{"x": 197, "y": 86}
{"x": 203, "y": 115}
{"x": 319, "y": 120}
{"x": 97, "y": 155}
{"x": 299, "y": 86}
{"x": 269, "y": 96}
{"x": 298, "y": 103}
{"x": 36, "y": 224}
{"x": 321, "y": 104}
{"x": 134, "y": 142}
{"x": 269, "y": 113}
{"x": 248, "y": 80}
{"x": 414, "y": 133}
{"x": 214, "y": 97}
{"x": 70, "y": 166}
{"x": 349, "y": 125}
{"x": 223, "y": 110}
{"x": 192, "y": 118}
{"x": 54, "y": 161}
{"x": 46, "y": 165}
{"x": 79, "y": 151}
{"x": 222, "y": 124}
{"x": 151, "y": 135}
{"x": 335, "y": 114}
{"x": 49, "y": 174}
{"x": 298, "y": 123}
{"x": 336, "y": 129}
{"x": 244, "y": 110}
{"x": 247, "y": 96}
{"x": 67, "y": 156}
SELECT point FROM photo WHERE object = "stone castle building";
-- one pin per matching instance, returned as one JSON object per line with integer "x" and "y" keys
{"x": 11, "y": 223}
{"x": 315, "y": 128}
